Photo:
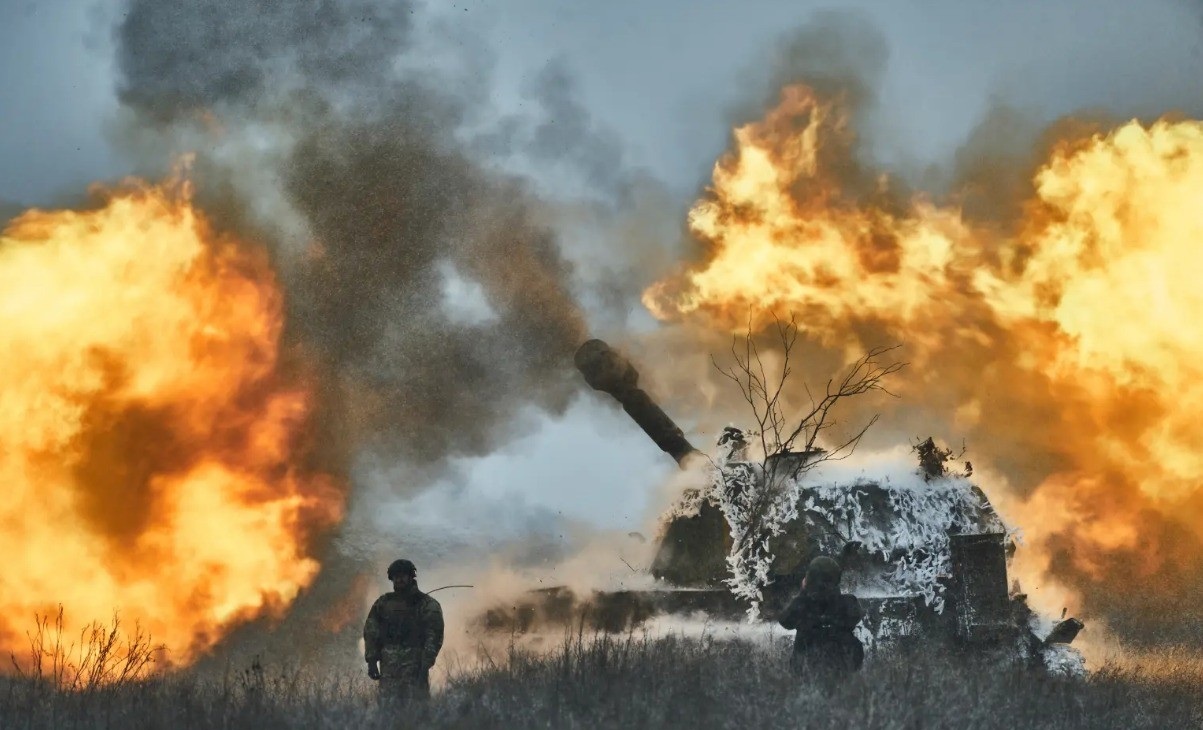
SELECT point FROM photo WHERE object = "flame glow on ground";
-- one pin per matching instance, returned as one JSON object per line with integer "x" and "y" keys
{"x": 149, "y": 439}
{"x": 1062, "y": 344}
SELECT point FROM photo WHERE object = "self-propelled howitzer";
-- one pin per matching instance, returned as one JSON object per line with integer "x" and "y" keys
{"x": 926, "y": 556}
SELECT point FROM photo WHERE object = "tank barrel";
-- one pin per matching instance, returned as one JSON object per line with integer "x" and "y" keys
{"x": 608, "y": 371}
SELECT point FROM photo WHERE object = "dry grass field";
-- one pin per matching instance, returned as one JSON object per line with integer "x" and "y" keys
{"x": 627, "y": 682}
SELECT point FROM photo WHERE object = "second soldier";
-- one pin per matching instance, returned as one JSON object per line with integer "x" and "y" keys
{"x": 825, "y": 644}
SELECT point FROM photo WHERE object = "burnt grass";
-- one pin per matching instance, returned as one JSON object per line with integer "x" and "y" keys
{"x": 631, "y": 681}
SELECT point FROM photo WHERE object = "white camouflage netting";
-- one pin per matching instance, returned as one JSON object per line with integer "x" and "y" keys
{"x": 896, "y": 515}
{"x": 919, "y": 517}
{"x": 892, "y": 512}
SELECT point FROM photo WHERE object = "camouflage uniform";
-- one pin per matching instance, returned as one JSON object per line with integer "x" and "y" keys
{"x": 824, "y": 619}
{"x": 404, "y": 632}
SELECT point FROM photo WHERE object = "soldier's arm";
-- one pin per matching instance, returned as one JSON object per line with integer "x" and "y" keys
{"x": 432, "y": 621}
{"x": 789, "y": 617}
{"x": 373, "y": 635}
{"x": 853, "y": 613}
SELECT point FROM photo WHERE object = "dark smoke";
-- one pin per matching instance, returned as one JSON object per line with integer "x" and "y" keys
{"x": 841, "y": 54}
{"x": 1151, "y": 594}
{"x": 392, "y": 206}
{"x": 567, "y": 134}
{"x": 558, "y": 134}
{"x": 177, "y": 57}
{"x": 837, "y": 53}
{"x": 388, "y": 208}
{"x": 367, "y": 156}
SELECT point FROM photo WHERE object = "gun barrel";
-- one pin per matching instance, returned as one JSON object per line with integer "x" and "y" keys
{"x": 608, "y": 371}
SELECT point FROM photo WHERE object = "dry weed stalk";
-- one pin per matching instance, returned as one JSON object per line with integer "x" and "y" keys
{"x": 103, "y": 656}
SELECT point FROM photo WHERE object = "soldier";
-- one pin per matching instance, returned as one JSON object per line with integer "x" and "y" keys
{"x": 402, "y": 636}
{"x": 824, "y": 644}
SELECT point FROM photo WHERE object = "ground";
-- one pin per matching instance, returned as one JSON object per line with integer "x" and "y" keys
{"x": 631, "y": 682}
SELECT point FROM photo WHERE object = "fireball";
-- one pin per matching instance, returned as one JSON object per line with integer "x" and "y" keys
{"x": 1063, "y": 344}
{"x": 152, "y": 435}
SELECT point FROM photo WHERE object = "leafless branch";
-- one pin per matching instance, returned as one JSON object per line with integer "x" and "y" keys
{"x": 764, "y": 393}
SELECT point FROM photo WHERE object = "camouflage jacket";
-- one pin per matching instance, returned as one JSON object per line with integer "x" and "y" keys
{"x": 406, "y": 625}
{"x": 821, "y": 618}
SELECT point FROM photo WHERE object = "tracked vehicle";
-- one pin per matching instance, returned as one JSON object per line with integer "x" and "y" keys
{"x": 927, "y": 556}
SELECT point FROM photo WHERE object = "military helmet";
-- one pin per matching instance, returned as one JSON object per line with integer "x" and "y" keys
{"x": 823, "y": 574}
{"x": 402, "y": 567}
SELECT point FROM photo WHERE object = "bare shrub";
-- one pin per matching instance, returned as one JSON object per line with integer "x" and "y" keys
{"x": 759, "y": 498}
{"x": 763, "y": 391}
{"x": 105, "y": 655}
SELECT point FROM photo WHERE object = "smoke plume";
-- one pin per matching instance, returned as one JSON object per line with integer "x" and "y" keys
{"x": 394, "y": 216}
{"x": 421, "y": 281}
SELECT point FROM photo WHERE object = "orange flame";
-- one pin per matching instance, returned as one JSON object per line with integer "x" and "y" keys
{"x": 150, "y": 438}
{"x": 782, "y": 237}
{"x": 1064, "y": 344}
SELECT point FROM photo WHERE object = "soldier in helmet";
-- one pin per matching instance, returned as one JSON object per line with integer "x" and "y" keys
{"x": 824, "y": 618}
{"x": 402, "y": 636}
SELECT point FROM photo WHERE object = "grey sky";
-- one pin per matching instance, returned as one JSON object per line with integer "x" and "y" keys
{"x": 662, "y": 76}
{"x": 56, "y": 99}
